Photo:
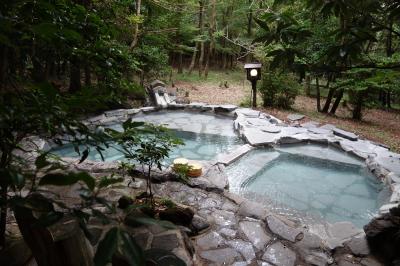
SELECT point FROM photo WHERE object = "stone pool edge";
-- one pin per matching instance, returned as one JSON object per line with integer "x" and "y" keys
{"x": 260, "y": 129}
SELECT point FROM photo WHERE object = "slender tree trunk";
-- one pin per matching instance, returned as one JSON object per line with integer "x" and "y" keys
{"x": 193, "y": 61}
{"x": 250, "y": 20}
{"x": 357, "y": 111}
{"x": 308, "y": 85}
{"x": 211, "y": 32}
{"x": 136, "y": 30}
{"x": 337, "y": 101}
{"x": 201, "y": 26}
{"x": 328, "y": 101}
{"x": 318, "y": 94}
{"x": 180, "y": 63}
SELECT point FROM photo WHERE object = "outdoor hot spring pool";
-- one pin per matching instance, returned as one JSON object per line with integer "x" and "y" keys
{"x": 309, "y": 182}
{"x": 197, "y": 146}
{"x": 204, "y": 136}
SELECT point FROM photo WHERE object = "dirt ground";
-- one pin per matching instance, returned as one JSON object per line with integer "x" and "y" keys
{"x": 377, "y": 125}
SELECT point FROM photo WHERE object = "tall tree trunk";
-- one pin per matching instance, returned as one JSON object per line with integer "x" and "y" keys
{"x": 201, "y": 26}
{"x": 318, "y": 94}
{"x": 180, "y": 63}
{"x": 337, "y": 101}
{"x": 136, "y": 30}
{"x": 75, "y": 75}
{"x": 211, "y": 33}
{"x": 250, "y": 20}
{"x": 193, "y": 61}
{"x": 307, "y": 86}
{"x": 329, "y": 99}
{"x": 357, "y": 111}
{"x": 389, "y": 39}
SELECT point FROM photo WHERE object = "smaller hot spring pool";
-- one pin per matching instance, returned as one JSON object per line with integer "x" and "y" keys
{"x": 310, "y": 182}
{"x": 197, "y": 146}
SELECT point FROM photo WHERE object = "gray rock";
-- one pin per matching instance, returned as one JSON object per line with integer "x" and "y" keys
{"x": 240, "y": 263}
{"x": 229, "y": 158}
{"x": 318, "y": 130}
{"x": 225, "y": 108}
{"x": 263, "y": 263}
{"x": 310, "y": 241}
{"x": 226, "y": 232}
{"x": 395, "y": 193}
{"x": 209, "y": 241}
{"x": 309, "y": 125}
{"x": 390, "y": 161}
{"x": 256, "y": 137}
{"x": 329, "y": 127}
{"x": 248, "y": 112}
{"x": 271, "y": 129}
{"x": 252, "y": 209}
{"x": 295, "y": 117}
{"x": 359, "y": 246}
{"x": 370, "y": 262}
{"x": 157, "y": 83}
{"x": 224, "y": 218}
{"x": 255, "y": 233}
{"x": 118, "y": 112}
{"x": 283, "y": 230}
{"x": 199, "y": 223}
{"x": 160, "y": 90}
{"x": 165, "y": 242}
{"x": 345, "y": 134}
{"x": 225, "y": 256}
{"x": 148, "y": 109}
{"x": 393, "y": 178}
{"x": 176, "y": 106}
{"x": 341, "y": 232}
{"x": 245, "y": 248}
{"x": 132, "y": 111}
{"x": 278, "y": 254}
{"x": 318, "y": 259}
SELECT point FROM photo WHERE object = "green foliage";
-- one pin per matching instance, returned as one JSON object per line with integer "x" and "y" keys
{"x": 279, "y": 89}
{"x": 145, "y": 144}
{"x": 182, "y": 170}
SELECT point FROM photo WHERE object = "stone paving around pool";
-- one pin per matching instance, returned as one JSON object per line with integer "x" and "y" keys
{"x": 235, "y": 231}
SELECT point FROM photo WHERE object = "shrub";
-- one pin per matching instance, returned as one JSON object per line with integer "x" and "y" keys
{"x": 279, "y": 89}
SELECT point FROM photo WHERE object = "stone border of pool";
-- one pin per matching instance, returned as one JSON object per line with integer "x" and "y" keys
{"x": 260, "y": 129}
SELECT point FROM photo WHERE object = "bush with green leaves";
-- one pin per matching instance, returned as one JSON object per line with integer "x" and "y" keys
{"x": 146, "y": 145}
{"x": 279, "y": 89}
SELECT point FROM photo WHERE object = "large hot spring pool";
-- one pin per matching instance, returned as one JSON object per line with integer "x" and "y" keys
{"x": 197, "y": 146}
{"x": 309, "y": 182}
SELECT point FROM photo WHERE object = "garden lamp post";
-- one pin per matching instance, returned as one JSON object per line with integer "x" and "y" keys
{"x": 253, "y": 75}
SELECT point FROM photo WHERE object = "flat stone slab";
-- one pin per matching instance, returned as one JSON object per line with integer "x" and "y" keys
{"x": 257, "y": 137}
{"x": 248, "y": 112}
{"x": 295, "y": 117}
{"x": 229, "y": 158}
{"x": 224, "y": 256}
{"x": 341, "y": 232}
{"x": 278, "y": 254}
{"x": 281, "y": 229}
{"x": 359, "y": 246}
{"x": 255, "y": 233}
{"x": 252, "y": 209}
{"x": 210, "y": 241}
{"x": 245, "y": 248}
{"x": 225, "y": 108}
{"x": 271, "y": 129}
{"x": 345, "y": 134}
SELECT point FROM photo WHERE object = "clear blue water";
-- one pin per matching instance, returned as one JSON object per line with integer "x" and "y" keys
{"x": 196, "y": 147}
{"x": 307, "y": 187}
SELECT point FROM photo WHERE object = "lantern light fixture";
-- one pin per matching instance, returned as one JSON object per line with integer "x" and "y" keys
{"x": 253, "y": 75}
